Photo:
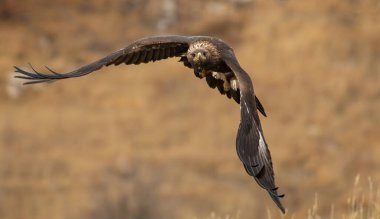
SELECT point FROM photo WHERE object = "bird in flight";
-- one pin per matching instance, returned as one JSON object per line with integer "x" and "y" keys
{"x": 212, "y": 59}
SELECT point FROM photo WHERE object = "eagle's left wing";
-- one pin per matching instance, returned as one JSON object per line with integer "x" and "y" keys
{"x": 251, "y": 146}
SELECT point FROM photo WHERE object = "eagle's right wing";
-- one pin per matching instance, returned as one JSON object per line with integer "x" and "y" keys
{"x": 141, "y": 51}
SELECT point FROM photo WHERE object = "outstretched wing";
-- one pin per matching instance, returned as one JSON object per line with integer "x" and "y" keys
{"x": 141, "y": 51}
{"x": 251, "y": 146}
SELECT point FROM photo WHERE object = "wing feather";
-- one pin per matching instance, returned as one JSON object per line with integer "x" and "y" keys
{"x": 120, "y": 59}
{"x": 167, "y": 52}
{"x": 135, "y": 58}
{"x": 149, "y": 56}
{"x": 163, "y": 53}
{"x": 251, "y": 146}
{"x": 142, "y": 57}
{"x": 236, "y": 96}
{"x": 172, "y": 51}
{"x": 211, "y": 81}
{"x": 143, "y": 50}
{"x": 156, "y": 55}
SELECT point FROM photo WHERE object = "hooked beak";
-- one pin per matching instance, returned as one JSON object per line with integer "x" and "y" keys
{"x": 199, "y": 57}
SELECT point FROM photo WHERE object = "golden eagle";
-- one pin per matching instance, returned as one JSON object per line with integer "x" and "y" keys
{"x": 212, "y": 59}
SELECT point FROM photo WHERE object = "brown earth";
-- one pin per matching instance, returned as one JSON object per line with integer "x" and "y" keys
{"x": 152, "y": 141}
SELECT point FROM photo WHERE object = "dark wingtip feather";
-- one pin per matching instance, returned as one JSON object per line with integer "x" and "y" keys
{"x": 260, "y": 107}
{"x": 54, "y": 72}
{"x": 35, "y": 77}
{"x": 39, "y": 81}
{"x": 276, "y": 199}
{"x": 272, "y": 191}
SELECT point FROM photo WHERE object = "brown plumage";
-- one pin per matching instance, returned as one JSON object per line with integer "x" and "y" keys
{"x": 212, "y": 59}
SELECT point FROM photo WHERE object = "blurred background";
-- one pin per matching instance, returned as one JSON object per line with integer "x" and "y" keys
{"x": 153, "y": 141}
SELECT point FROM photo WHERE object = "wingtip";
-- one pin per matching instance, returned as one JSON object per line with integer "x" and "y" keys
{"x": 17, "y": 69}
{"x": 277, "y": 201}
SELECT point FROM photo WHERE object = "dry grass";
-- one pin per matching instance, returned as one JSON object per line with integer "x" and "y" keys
{"x": 363, "y": 203}
{"x": 153, "y": 138}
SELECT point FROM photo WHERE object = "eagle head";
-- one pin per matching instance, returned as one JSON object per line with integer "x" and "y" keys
{"x": 199, "y": 57}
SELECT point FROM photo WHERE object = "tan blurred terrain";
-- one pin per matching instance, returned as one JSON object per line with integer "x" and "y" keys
{"x": 153, "y": 141}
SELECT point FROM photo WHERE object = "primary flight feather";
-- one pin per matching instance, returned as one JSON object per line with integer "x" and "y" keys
{"x": 212, "y": 59}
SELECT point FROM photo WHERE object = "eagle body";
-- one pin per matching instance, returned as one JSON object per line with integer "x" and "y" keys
{"x": 213, "y": 60}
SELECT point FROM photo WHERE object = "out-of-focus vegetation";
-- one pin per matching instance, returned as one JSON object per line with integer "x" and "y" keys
{"x": 153, "y": 141}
